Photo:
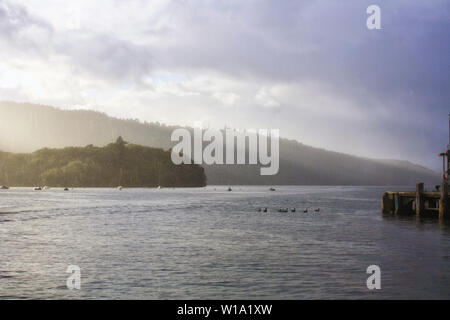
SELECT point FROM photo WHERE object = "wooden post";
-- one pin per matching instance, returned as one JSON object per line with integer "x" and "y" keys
{"x": 384, "y": 203}
{"x": 420, "y": 207}
{"x": 388, "y": 203}
{"x": 397, "y": 202}
{"x": 443, "y": 202}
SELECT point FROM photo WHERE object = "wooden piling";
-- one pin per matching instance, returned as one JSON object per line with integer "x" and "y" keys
{"x": 420, "y": 207}
{"x": 387, "y": 203}
{"x": 397, "y": 203}
{"x": 443, "y": 202}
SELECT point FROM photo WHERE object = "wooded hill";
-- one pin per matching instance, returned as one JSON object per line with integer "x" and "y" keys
{"x": 117, "y": 164}
{"x": 28, "y": 127}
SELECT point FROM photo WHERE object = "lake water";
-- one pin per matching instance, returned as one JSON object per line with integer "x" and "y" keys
{"x": 208, "y": 243}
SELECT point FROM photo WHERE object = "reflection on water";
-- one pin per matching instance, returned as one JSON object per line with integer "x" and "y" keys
{"x": 444, "y": 225}
{"x": 209, "y": 243}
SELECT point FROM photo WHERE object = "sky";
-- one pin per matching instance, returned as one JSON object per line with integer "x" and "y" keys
{"x": 311, "y": 69}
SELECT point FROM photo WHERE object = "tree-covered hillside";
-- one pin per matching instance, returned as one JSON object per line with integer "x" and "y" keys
{"x": 29, "y": 127}
{"x": 116, "y": 164}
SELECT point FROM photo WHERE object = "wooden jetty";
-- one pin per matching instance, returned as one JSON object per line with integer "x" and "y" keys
{"x": 420, "y": 203}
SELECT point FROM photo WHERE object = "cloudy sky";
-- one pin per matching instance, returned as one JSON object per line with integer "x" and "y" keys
{"x": 310, "y": 68}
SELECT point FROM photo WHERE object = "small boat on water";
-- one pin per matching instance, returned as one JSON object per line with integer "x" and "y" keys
{"x": 66, "y": 189}
{"x": 272, "y": 189}
{"x": 119, "y": 188}
{"x": 4, "y": 187}
{"x": 283, "y": 210}
{"x": 229, "y": 189}
{"x": 37, "y": 189}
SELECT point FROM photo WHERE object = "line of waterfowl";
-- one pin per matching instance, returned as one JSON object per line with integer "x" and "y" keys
{"x": 288, "y": 209}
{"x": 34, "y": 188}
{"x": 47, "y": 188}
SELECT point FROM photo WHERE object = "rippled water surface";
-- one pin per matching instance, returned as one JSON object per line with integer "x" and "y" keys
{"x": 212, "y": 244}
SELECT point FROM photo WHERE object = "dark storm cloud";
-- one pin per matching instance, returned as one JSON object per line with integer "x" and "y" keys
{"x": 398, "y": 76}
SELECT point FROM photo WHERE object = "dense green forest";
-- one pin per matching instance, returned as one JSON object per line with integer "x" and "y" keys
{"x": 118, "y": 163}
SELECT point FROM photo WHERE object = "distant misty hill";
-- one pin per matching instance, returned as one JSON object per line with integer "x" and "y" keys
{"x": 26, "y": 128}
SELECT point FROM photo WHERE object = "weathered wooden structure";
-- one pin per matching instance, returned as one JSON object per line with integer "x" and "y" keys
{"x": 420, "y": 203}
